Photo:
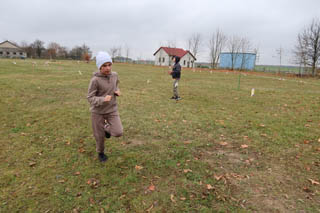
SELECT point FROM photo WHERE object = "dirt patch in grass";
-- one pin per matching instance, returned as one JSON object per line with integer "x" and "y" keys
{"x": 134, "y": 142}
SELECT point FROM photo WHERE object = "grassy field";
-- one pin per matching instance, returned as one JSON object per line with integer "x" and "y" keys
{"x": 216, "y": 150}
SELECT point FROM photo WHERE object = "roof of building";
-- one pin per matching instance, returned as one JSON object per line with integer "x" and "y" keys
{"x": 10, "y": 45}
{"x": 175, "y": 52}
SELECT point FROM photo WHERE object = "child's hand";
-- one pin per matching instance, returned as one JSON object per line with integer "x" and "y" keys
{"x": 107, "y": 98}
{"x": 170, "y": 72}
{"x": 117, "y": 93}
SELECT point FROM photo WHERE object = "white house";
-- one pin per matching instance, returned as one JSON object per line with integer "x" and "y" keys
{"x": 10, "y": 50}
{"x": 163, "y": 57}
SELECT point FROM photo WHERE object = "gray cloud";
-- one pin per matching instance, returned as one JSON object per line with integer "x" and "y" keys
{"x": 145, "y": 24}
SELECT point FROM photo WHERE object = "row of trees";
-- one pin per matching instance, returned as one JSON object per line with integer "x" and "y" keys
{"x": 53, "y": 50}
{"x": 218, "y": 42}
{"x": 306, "y": 53}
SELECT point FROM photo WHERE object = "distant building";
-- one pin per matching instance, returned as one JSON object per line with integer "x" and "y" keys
{"x": 163, "y": 57}
{"x": 140, "y": 61}
{"x": 243, "y": 61}
{"x": 122, "y": 59}
{"x": 11, "y": 50}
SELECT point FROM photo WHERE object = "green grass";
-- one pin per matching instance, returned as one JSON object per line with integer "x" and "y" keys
{"x": 49, "y": 164}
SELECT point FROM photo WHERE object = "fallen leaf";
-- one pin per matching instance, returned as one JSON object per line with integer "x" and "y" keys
{"x": 152, "y": 187}
{"x": 244, "y": 146}
{"x": 217, "y": 177}
{"x": 149, "y": 209}
{"x": 182, "y": 198}
{"x": 138, "y": 167}
{"x": 313, "y": 182}
{"x": 79, "y": 194}
{"x": 61, "y": 181}
{"x": 209, "y": 187}
{"x": 31, "y": 164}
{"x": 262, "y": 125}
{"x": 81, "y": 150}
{"x": 92, "y": 201}
{"x": 172, "y": 198}
{"x": 187, "y": 142}
{"x": 77, "y": 173}
{"x": 187, "y": 170}
{"x": 223, "y": 143}
{"x": 319, "y": 140}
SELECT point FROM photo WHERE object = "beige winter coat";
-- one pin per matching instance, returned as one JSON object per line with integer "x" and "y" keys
{"x": 100, "y": 86}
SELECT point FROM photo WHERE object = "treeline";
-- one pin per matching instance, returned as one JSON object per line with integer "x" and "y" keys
{"x": 53, "y": 50}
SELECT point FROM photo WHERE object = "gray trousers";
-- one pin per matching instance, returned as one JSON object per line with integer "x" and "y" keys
{"x": 105, "y": 122}
{"x": 175, "y": 87}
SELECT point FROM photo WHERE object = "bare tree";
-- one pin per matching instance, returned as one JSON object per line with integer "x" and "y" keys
{"x": 38, "y": 46}
{"x": 119, "y": 51}
{"x": 216, "y": 45}
{"x": 257, "y": 52}
{"x": 53, "y": 49}
{"x": 194, "y": 43}
{"x": 127, "y": 52}
{"x": 307, "y": 50}
{"x": 300, "y": 54}
{"x": 62, "y": 52}
{"x": 234, "y": 47}
{"x": 171, "y": 43}
{"x": 28, "y": 49}
{"x": 245, "y": 46}
{"x": 113, "y": 52}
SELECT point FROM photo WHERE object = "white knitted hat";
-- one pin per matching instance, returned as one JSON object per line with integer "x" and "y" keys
{"x": 101, "y": 58}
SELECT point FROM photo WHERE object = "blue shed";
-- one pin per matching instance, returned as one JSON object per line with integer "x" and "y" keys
{"x": 244, "y": 61}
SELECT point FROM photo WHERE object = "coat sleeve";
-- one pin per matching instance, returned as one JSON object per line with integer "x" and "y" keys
{"x": 92, "y": 91}
{"x": 117, "y": 83}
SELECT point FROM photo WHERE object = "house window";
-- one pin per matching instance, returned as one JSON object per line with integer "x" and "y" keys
{"x": 21, "y": 53}
{"x": 14, "y": 53}
{"x": 8, "y": 53}
{"x": 163, "y": 59}
{"x": 159, "y": 59}
{"x": 1, "y": 53}
{"x": 184, "y": 62}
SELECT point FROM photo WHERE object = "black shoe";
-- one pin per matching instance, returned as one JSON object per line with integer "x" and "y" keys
{"x": 102, "y": 157}
{"x": 173, "y": 97}
{"x": 177, "y": 98}
{"x": 107, "y": 134}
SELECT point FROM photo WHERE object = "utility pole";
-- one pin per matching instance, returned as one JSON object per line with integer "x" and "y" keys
{"x": 280, "y": 53}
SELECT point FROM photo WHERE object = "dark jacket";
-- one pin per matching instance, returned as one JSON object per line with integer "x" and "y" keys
{"x": 176, "y": 71}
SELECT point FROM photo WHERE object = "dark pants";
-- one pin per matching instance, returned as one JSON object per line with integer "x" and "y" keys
{"x": 105, "y": 122}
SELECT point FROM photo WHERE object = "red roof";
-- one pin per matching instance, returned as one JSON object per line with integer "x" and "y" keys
{"x": 175, "y": 52}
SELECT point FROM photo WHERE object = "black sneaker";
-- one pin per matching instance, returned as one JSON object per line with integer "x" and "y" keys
{"x": 107, "y": 134}
{"x": 177, "y": 98}
{"x": 102, "y": 157}
{"x": 173, "y": 97}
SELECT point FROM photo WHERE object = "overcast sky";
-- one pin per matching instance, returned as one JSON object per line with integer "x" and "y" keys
{"x": 144, "y": 25}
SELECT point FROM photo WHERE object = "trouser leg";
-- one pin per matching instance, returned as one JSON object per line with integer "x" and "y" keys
{"x": 114, "y": 126}
{"x": 98, "y": 122}
{"x": 175, "y": 87}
